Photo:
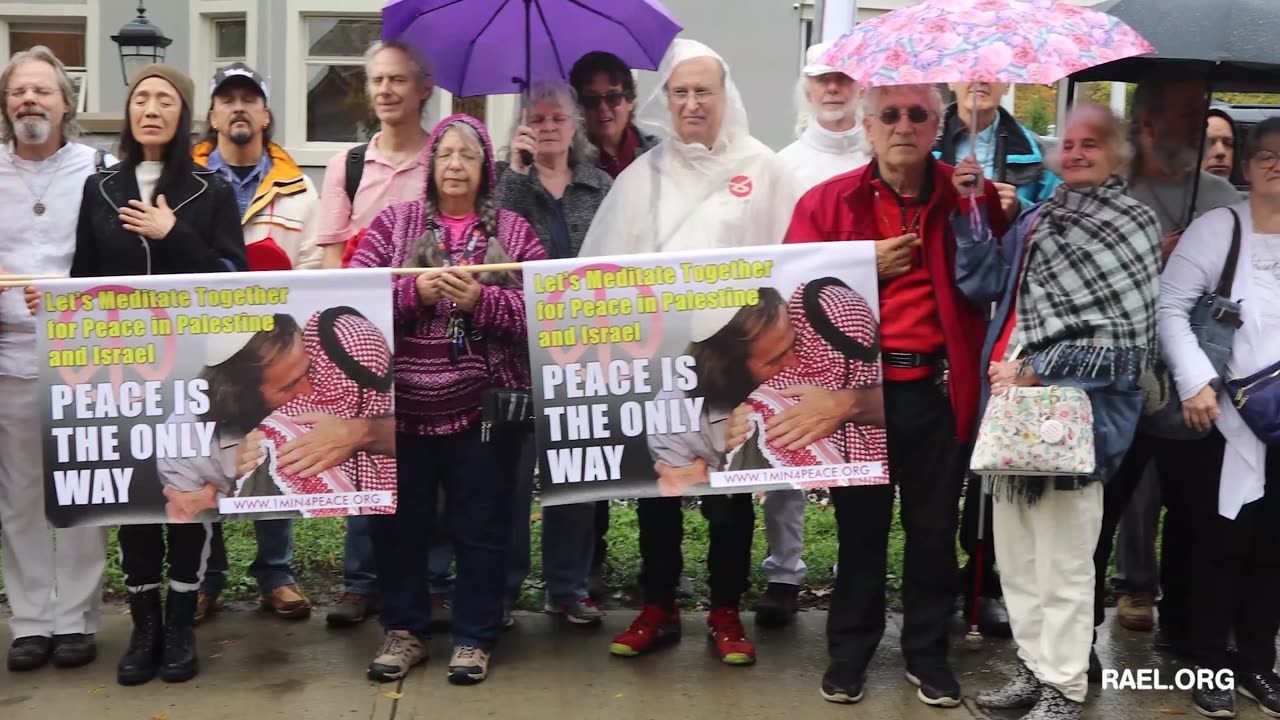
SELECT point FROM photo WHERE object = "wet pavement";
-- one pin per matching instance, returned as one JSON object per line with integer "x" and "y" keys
{"x": 255, "y": 666}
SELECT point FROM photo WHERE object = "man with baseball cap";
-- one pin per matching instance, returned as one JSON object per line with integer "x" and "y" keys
{"x": 278, "y": 203}
{"x": 829, "y": 138}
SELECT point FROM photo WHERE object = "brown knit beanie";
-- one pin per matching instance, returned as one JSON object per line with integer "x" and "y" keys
{"x": 175, "y": 77}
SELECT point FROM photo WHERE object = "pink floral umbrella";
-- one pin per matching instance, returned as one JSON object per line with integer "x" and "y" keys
{"x": 1010, "y": 41}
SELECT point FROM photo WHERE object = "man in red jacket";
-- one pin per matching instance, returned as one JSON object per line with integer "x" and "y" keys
{"x": 931, "y": 339}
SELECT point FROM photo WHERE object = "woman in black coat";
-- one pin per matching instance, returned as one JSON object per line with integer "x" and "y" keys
{"x": 157, "y": 212}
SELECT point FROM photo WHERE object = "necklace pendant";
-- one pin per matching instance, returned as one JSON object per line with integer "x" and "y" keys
{"x": 38, "y": 208}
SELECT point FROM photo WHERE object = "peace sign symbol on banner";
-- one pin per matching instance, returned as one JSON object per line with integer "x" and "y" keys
{"x": 165, "y": 357}
{"x": 647, "y": 348}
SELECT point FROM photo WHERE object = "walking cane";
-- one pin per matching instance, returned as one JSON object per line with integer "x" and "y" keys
{"x": 974, "y": 637}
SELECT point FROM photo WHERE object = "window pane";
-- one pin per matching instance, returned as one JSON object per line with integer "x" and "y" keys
{"x": 229, "y": 38}
{"x": 338, "y": 107}
{"x": 66, "y": 41}
{"x": 341, "y": 37}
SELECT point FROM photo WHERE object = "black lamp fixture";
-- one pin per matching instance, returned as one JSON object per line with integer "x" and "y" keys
{"x": 141, "y": 43}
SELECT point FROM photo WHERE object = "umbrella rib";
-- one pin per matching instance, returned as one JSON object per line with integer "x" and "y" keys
{"x": 555, "y": 48}
{"x": 422, "y": 13}
{"x": 471, "y": 46}
{"x": 615, "y": 21}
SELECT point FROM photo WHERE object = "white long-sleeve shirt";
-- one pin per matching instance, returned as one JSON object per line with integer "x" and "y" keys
{"x": 1193, "y": 270}
{"x": 819, "y": 155}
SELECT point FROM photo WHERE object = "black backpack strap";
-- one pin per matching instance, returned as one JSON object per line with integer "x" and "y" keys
{"x": 355, "y": 169}
{"x": 1228, "y": 278}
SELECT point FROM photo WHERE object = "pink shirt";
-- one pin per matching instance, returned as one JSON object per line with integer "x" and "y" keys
{"x": 381, "y": 186}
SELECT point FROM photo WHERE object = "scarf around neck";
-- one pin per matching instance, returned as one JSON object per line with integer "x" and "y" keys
{"x": 1091, "y": 282}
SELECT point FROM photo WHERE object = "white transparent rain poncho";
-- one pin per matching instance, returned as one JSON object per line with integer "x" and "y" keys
{"x": 684, "y": 196}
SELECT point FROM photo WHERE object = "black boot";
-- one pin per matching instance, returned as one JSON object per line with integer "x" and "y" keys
{"x": 180, "y": 663}
{"x": 146, "y": 643}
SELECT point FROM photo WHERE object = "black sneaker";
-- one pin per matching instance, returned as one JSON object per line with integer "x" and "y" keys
{"x": 778, "y": 604}
{"x": 74, "y": 650}
{"x": 29, "y": 653}
{"x": 1214, "y": 703}
{"x": 843, "y": 683}
{"x": 1262, "y": 688}
{"x": 938, "y": 685}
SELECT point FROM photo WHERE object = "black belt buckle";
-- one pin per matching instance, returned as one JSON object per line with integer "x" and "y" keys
{"x": 942, "y": 376}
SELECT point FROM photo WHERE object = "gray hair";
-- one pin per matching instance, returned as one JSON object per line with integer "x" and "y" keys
{"x": 70, "y": 128}
{"x": 1115, "y": 136}
{"x": 582, "y": 152}
{"x": 422, "y": 72}
{"x": 872, "y": 96}
{"x": 425, "y": 251}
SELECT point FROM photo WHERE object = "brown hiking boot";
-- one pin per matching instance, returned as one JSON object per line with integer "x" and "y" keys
{"x": 287, "y": 601}
{"x": 352, "y": 609}
{"x": 206, "y": 606}
{"x": 1134, "y": 611}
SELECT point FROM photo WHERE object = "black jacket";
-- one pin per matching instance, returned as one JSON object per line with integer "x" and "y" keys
{"x": 206, "y": 238}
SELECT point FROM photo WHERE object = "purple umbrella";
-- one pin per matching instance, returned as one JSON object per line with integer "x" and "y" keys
{"x": 491, "y": 47}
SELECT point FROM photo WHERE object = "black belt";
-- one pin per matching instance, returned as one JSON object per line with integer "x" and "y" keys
{"x": 908, "y": 361}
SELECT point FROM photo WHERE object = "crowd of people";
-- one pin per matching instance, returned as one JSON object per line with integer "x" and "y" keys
{"x": 1004, "y": 258}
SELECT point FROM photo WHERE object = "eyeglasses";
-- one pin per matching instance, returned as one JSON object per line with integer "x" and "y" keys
{"x": 681, "y": 96}
{"x": 591, "y": 102}
{"x": 1266, "y": 158}
{"x": 42, "y": 92}
{"x": 916, "y": 114}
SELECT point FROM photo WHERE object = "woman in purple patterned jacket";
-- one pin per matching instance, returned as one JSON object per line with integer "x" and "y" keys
{"x": 457, "y": 334}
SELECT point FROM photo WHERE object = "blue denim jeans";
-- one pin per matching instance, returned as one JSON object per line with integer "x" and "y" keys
{"x": 479, "y": 480}
{"x": 270, "y": 566}
{"x": 359, "y": 570}
{"x": 568, "y": 548}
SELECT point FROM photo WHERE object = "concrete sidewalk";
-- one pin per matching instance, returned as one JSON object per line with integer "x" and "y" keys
{"x": 255, "y": 666}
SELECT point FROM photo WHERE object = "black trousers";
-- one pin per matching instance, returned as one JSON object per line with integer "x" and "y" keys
{"x": 732, "y": 523}
{"x": 144, "y": 552}
{"x": 1181, "y": 466}
{"x": 969, "y": 533}
{"x": 601, "y": 554}
{"x": 922, "y": 456}
{"x": 1236, "y": 564}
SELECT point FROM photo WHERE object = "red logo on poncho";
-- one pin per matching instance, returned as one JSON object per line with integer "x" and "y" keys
{"x": 740, "y": 186}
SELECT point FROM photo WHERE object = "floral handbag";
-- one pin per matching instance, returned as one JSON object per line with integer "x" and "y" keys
{"x": 1044, "y": 430}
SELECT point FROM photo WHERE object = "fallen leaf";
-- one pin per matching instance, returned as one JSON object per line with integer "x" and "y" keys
{"x": 535, "y": 517}
{"x": 162, "y": 715}
{"x": 392, "y": 694}
{"x": 617, "y": 696}
{"x": 98, "y": 689}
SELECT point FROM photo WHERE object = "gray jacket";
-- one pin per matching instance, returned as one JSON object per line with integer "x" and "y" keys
{"x": 523, "y": 194}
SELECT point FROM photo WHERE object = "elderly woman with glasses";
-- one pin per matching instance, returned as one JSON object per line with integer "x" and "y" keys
{"x": 1076, "y": 281}
{"x": 553, "y": 183}
{"x": 1234, "y": 554}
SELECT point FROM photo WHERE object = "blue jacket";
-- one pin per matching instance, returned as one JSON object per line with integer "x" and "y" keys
{"x": 1024, "y": 162}
{"x": 987, "y": 272}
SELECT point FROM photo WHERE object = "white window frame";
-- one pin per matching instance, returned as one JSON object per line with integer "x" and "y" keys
{"x": 44, "y": 12}
{"x": 203, "y": 27}
{"x": 307, "y": 152}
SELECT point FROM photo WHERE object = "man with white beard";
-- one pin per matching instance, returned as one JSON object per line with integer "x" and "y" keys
{"x": 829, "y": 137}
{"x": 53, "y": 578}
{"x": 829, "y": 142}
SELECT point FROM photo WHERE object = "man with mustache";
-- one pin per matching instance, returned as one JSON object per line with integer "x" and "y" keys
{"x": 53, "y": 578}
{"x": 1168, "y": 119}
{"x": 278, "y": 206}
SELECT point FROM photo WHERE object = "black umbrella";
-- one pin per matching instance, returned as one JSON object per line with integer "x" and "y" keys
{"x": 1233, "y": 42}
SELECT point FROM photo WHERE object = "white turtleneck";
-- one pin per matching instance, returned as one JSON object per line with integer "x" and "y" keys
{"x": 147, "y": 174}
{"x": 820, "y": 155}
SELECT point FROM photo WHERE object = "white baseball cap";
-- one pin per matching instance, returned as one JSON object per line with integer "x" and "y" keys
{"x": 221, "y": 347}
{"x": 706, "y": 323}
{"x": 812, "y": 67}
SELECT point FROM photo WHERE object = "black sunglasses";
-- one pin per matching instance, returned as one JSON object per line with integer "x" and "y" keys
{"x": 591, "y": 102}
{"x": 915, "y": 113}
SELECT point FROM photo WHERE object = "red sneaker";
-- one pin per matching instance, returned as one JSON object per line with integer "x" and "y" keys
{"x": 655, "y": 625}
{"x": 725, "y": 628}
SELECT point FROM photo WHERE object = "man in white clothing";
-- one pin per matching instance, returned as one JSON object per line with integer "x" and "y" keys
{"x": 53, "y": 578}
{"x": 708, "y": 184}
{"x": 829, "y": 142}
{"x": 829, "y": 138}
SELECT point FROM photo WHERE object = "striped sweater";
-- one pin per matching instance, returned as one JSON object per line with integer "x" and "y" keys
{"x": 435, "y": 396}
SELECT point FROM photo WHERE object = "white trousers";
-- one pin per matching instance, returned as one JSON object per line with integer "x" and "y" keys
{"x": 784, "y": 529}
{"x": 53, "y": 577}
{"x": 1045, "y": 553}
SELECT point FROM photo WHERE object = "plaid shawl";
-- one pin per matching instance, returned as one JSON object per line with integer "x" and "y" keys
{"x": 1092, "y": 283}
